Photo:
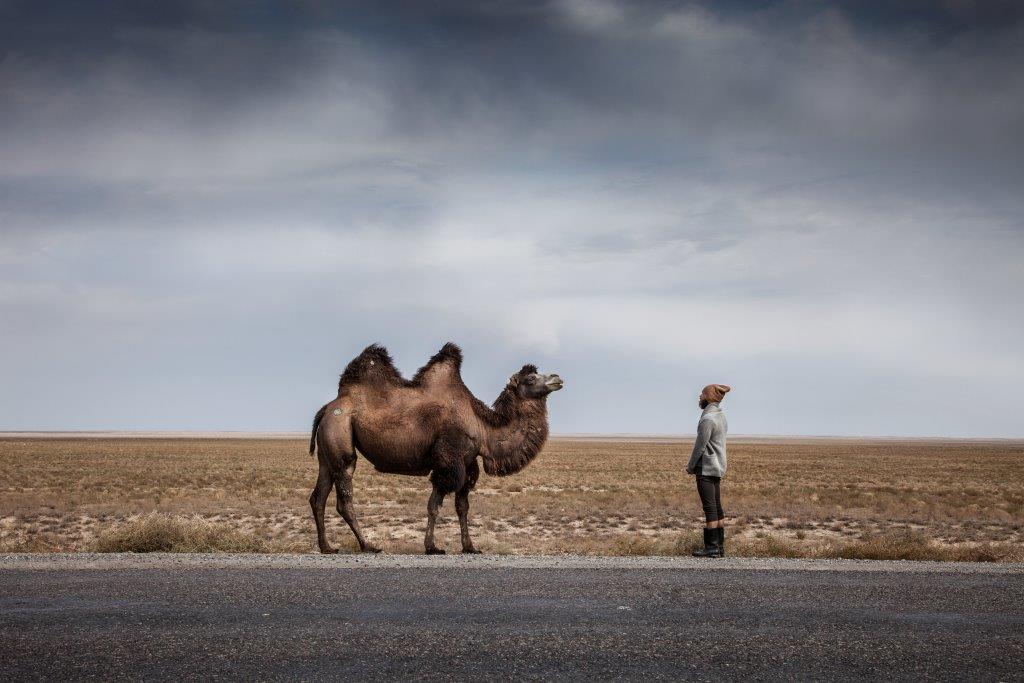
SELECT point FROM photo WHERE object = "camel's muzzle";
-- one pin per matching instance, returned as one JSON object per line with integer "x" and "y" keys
{"x": 554, "y": 382}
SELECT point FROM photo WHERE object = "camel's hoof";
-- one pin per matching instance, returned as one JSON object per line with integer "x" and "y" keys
{"x": 329, "y": 550}
{"x": 471, "y": 551}
{"x": 371, "y": 549}
{"x": 435, "y": 551}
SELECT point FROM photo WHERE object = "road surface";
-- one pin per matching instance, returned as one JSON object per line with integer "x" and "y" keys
{"x": 394, "y": 617}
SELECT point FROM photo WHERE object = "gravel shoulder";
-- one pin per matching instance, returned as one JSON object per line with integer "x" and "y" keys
{"x": 184, "y": 561}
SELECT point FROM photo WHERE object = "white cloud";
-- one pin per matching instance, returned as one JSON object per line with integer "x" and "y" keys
{"x": 591, "y": 15}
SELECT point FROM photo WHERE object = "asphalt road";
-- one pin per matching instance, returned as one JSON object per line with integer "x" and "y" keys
{"x": 455, "y": 618}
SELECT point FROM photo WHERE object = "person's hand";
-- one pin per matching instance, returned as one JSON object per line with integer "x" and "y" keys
{"x": 690, "y": 470}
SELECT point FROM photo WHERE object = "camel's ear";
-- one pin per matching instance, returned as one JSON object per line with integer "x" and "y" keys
{"x": 514, "y": 380}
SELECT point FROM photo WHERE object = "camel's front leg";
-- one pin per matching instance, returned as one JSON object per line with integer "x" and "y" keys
{"x": 436, "y": 498}
{"x": 462, "y": 507}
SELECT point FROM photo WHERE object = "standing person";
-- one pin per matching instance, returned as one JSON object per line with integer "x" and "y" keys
{"x": 707, "y": 463}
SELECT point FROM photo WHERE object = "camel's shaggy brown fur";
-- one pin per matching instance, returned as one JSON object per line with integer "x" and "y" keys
{"x": 430, "y": 424}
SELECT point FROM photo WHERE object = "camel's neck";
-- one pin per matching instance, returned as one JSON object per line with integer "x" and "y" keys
{"x": 517, "y": 440}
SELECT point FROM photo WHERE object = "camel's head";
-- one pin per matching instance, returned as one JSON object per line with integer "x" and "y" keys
{"x": 532, "y": 384}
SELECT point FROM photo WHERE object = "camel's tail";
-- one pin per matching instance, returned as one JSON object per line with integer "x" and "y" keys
{"x": 316, "y": 427}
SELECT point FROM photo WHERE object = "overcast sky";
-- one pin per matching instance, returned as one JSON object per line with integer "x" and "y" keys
{"x": 207, "y": 209}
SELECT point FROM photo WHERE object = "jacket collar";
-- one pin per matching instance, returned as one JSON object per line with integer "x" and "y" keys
{"x": 712, "y": 408}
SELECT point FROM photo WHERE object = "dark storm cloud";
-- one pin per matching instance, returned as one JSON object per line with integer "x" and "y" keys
{"x": 926, "y": 90}
{"x": 832, "y": 187}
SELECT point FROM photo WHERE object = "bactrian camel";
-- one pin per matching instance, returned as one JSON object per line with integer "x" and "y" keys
{"x": 430, "y": 424}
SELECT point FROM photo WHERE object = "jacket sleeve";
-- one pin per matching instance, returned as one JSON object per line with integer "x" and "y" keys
{"x": 704, "y": 430}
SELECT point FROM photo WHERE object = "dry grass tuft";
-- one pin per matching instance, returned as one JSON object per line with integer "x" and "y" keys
{"x": 989, "y": 552}
{"x": 897, "y": 545}
{"x": 682, "y": 544}
{"x": 767, "y": 545}
{"x": 161, "y": 533}
{"x": 23, "y": 543}
{"x": 915, "y": 545}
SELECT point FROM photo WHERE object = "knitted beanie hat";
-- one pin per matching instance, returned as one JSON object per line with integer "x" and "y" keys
{"x": 714, "y": 393}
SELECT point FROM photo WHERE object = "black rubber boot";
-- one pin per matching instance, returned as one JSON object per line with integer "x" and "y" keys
{"x": 721, "y": 540}
{"x": 711, "y": 547}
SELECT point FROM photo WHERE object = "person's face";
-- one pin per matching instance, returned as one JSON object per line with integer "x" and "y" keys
{"x": 702, "y": 402}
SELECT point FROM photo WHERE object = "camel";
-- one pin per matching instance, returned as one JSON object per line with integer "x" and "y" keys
{"x": 431, "y": 424}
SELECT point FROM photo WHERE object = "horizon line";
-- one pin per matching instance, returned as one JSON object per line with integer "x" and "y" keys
{"x": 596, "y": 436}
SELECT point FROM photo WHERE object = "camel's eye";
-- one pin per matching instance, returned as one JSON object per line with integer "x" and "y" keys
{"x": 531, "y": 379}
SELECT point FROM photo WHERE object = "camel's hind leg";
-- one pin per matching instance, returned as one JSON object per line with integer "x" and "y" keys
{"x": 318, "y": 501}
{"x": 337, "y": 454}
{"x": 343, "y": 490}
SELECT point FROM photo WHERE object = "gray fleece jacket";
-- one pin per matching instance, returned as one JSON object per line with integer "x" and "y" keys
{"x": 709, "y": 448}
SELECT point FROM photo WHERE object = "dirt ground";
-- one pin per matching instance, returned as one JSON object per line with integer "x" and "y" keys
{"x": 591, "y": 496}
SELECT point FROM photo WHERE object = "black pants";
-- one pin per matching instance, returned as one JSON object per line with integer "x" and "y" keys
{"x": 710, "y": 490}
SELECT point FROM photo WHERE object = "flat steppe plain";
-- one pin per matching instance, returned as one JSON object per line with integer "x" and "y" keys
{"x": 620, "y": 495}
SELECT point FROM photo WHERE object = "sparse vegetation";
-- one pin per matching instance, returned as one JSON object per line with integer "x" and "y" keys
{"x": 889, "y": 546}
{"x": 807, "y": 498}
{"x": 157, "y": 532}
{"x": 676, "y": 544}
